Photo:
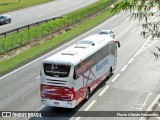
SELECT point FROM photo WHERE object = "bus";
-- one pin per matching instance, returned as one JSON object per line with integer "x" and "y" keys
{"x": 70, "y": 76}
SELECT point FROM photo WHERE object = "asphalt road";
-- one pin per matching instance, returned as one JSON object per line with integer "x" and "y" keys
{"x": 133, "y": 86}
{"x": 41, "y": 12}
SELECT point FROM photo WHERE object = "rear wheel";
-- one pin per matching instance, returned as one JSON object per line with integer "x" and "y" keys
{"x": 87, "y": 94}
{"x": 9, "y": 20}
{"x": 110, "y": 73}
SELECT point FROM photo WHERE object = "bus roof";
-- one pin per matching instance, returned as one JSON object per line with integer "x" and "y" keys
{"x": 81, "y": 50}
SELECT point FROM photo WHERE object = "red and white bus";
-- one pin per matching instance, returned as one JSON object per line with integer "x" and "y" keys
{"x": 70, "y": 76}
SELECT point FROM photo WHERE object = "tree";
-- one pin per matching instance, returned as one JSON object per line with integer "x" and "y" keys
{"x": 147, "y": 11}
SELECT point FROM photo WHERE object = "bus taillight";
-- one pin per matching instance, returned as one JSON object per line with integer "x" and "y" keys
{"x": 73, "y": 94}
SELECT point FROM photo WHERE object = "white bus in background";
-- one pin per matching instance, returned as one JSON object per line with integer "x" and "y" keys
{"x": 70, "y": 76}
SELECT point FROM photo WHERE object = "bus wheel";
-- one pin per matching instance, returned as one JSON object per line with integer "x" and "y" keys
{"x": 87, "y": 94}
{"x": 110, "y": 72}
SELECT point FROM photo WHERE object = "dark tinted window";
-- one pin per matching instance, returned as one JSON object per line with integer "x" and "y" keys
{"x": 86, "y": 42}
{"x": 1, "y": 17}
{"x": 104, "y": 32}
{"x": 112, "y": 49}
{"x": 57, "y": 70}
{"x": 106, "y": 50}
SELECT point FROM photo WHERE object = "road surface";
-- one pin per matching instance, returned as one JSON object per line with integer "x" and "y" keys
{"x": 41, "y": 12}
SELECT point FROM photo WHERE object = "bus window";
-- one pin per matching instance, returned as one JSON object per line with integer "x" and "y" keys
{"x": 116, "y": 50}
{"x": 56, "y": 70}
{"x": 112, "y": 49}
{"x": 106, "y": 51}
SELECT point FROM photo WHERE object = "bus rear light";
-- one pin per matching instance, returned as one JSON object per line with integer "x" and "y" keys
{"x": 57, "y": 93}
{"x": 56, "y": 103}
{"x": 73, "y": 94}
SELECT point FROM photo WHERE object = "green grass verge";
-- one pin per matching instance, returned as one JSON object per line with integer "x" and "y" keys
{"x": 41, "y": 48}
{"x": 9, "y": 5}
{"x": 18, "y": 39}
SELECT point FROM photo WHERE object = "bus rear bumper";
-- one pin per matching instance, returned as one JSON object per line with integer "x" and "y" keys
{"x": 57, "y": 103}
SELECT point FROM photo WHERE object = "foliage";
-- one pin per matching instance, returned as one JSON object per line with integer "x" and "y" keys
{"x": 147, "y": 11}
{"x": 26, "y": 36}
{"x": 21, "y": 58}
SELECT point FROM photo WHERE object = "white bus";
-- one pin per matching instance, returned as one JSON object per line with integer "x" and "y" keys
{"x": 70, "y": 76}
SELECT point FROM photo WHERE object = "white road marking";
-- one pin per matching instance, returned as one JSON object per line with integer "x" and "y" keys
{"x": 90, "y": 105}
{"x": 142, "y": 105}
{"x": 103, "y": 91}
{"x": 158, "y": 118}
{"x": 38, "y": 77}
{"x": 55, "y": 49}
{"x": 78, "y": 118}
{"x": 124, "y": 68}
{"x": 134, "y": 29}
{"x": 131, "y": 60}
{"x": 153, "y": 103}
{"x": 142, "y": 118}
{"x": 159, "y": 104}
{"x": 115, "y": 78}
{"x": 142, "y": 47}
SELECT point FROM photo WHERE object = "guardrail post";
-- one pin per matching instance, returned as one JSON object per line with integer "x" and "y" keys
{"x": 28, "y": 27}
{"x": 3, "y": 45}
{"x": 28, "y": 36}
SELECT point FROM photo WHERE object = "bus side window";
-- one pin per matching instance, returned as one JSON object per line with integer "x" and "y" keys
{"x": 112, "y": 49}
{"x": 106, "y": 51}
{"x": 75, "y": 76}
{"x": 98, "y": 56}
{"x": 115, "y": 50}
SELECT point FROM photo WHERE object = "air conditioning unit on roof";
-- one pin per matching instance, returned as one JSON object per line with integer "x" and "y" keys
{"x": 68, "y": 53}
{"x": 81, "y": 46}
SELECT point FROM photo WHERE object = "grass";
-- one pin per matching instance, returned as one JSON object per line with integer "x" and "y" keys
{"x": 17, "y": 39}
{"x": 41, "y": 48}
{"x": 9, "y": 5}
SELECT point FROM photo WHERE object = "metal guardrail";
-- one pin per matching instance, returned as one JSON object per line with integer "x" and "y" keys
{"x": 9, "y": 41}
{"x": 4, "y": 34}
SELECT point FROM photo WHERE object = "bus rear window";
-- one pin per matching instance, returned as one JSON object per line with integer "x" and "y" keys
{"x": 56, "y": 70}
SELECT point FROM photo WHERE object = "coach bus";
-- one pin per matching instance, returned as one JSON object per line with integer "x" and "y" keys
{"x": 70, "y": 76}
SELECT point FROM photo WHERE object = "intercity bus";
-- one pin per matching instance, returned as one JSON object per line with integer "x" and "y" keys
{"x": 70, "y": 76}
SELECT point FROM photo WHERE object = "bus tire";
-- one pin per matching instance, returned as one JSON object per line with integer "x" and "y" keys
{"x": 110, "y": 72}
{"x": 87, "y": 94}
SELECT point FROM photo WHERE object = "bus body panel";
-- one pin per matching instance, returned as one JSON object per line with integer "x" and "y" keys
{"x": 88, "y": 73}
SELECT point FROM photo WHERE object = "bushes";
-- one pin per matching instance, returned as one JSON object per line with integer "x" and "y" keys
{"x": 23, "y": 37}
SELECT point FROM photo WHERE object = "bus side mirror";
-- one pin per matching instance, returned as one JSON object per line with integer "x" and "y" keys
{"x": 118, "y": 43}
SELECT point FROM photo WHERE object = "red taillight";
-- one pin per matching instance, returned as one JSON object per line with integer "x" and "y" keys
{"x": 73, "y": 94}
{"x": 57, "y": 93}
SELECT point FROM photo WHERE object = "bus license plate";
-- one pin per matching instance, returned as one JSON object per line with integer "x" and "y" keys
{"x": 56, "y": 103}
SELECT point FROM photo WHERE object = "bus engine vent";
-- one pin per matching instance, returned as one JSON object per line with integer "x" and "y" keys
{"x": 68, "y": 53}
